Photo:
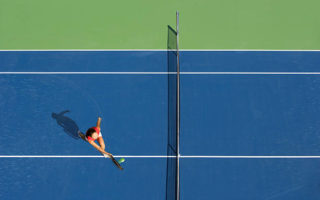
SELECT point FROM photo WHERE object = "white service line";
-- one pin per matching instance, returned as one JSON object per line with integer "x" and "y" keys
{"x": 83, "y": 50}
{"x": 249, "y": 157}
{"x": 90, "y": 73}
{"x": 83, "y": 156}
{"x": 253, "y": 50}
{"x": 160, "y": 156}
{"x": 161, "y": 73}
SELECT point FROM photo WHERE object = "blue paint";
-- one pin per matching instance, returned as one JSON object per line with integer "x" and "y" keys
{"x": 250, "y": 61}
{"x": 220, "y": 115}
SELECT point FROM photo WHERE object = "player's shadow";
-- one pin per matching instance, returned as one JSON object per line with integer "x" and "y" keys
{"x": 69, "y": 126}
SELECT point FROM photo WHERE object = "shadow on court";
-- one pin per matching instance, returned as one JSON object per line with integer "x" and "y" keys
{"x": 69, "y": 126}
{"x": 171, "y": 184}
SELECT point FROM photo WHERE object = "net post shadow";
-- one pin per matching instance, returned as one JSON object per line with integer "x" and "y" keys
{"x": 171, "y": 189}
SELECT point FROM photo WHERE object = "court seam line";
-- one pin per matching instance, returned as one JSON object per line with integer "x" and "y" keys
{"x": 120, "y": 50}
{"x": 157, "y": 156}
{"x": 159, "y": 73}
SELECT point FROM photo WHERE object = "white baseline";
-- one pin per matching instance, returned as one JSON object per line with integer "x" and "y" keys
{"x": 137, "y": 50}
{"x": 161, "y": 156}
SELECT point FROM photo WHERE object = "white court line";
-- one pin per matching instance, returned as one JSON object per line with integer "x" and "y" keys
{"x": 252, "y": 73}
{"x": 241, "y": 50}
{"x": 254, "y": 50}
{"x": 248, "y": 157}
{"x": 159, "y": 156}
{"x": 67, "y": 50}
{"x": 160, "y": 73}
{"x": 83, "y": 156}
{"x": 91, "y": 73}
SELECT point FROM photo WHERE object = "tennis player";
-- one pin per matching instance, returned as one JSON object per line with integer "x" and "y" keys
{"x": 93, "y": 134}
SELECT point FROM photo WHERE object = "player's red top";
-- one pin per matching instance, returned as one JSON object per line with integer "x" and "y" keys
{"x": 97, "y": 131}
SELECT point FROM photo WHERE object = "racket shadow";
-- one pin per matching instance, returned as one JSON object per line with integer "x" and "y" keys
{"x": 69, "y": 126}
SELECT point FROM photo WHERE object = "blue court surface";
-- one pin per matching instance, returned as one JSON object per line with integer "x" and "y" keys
{"x": 250, "y": 126}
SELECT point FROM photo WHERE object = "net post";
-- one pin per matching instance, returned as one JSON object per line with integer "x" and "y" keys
{"x": 178, "y": 112}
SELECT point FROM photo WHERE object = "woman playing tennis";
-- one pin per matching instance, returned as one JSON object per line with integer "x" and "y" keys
{"x": 93, "y": 134}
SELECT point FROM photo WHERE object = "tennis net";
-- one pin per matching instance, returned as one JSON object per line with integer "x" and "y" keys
{"x": 172, "y": 182}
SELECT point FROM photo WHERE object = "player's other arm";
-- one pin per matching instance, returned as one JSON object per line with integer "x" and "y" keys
{"x": 98, "y": 123}
{"x": 99, "y": 148}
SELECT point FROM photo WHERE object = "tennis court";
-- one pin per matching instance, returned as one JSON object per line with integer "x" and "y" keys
{"x": 223, "y": 104}
{"x": 249, "y": 125}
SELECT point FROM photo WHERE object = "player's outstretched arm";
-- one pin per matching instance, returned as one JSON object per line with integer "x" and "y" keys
{"x": 63, "y": 112}
{"x": 99, "y": 122}
{"x": 99, "y": 148}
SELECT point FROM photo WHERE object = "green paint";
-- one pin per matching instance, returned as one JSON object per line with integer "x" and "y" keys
{"x": 142, "y": 24}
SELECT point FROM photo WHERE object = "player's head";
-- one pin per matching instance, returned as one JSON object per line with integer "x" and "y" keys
{"x": 92, "y": 133}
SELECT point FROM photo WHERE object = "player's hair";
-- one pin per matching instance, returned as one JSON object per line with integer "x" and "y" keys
{"x": 89, "y": 132}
